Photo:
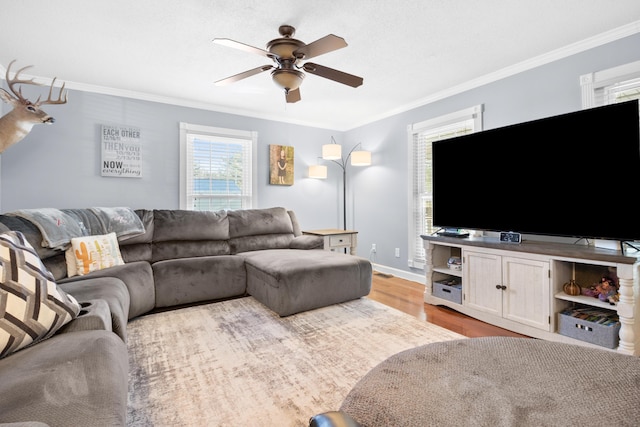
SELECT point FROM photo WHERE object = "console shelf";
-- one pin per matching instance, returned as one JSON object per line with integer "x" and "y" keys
{"x": 448, "y": 271}
{"x": 519, "y": 287}
{"x": 581, "y": 299}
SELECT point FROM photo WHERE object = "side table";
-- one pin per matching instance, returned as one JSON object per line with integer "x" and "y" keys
{"x": 337, "y": 239}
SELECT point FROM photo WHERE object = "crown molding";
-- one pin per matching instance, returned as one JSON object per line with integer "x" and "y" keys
{"x": 564, "y": 52}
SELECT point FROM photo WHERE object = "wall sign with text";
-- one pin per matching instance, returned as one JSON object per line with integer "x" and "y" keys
{"x": 121, "y": 152}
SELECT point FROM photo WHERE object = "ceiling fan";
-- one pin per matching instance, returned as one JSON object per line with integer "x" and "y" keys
{"x": 287, "y": 52}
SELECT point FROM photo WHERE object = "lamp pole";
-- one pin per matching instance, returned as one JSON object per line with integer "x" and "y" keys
{"x": 343, "y": 164}
{"x": 344, "y": 197}
{"x": 333, "y": 152}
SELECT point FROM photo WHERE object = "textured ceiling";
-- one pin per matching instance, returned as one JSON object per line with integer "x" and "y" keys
{"x": 407, "y": 51}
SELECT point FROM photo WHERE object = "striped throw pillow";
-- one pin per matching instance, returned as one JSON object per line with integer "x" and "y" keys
{"x": 32, "y": 306}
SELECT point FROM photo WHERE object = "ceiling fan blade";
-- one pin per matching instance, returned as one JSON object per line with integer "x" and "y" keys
{"x": 293, "y": 96}
{"x": 243, "y": 75}
{"x": 331, "y": 74}
{"x": 321, "y": 46}
{"x": 247, "y": 48}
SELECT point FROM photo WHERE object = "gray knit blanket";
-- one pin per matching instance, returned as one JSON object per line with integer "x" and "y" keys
{"x": 59, "y": 226}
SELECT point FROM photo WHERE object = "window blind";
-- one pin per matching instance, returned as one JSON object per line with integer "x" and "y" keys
{"x": 422, "y": 135}
{"x": 622, "y": 91}
{"x": 218, "y": 169}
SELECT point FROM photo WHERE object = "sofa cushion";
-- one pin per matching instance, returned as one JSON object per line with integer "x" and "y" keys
{"x": 136, "y": 252}
{"x": 146, "y": 216}
{"x": 92, "y": 253}
{"x": 258, "y": 229}
{"x": 32, "y": 306}
{"x": 254, "y": 222}
{"x": 138, "y": 278}
{"x": 138, "y": 247}
{"x": 57, "y": 265}
{"x": 72, "y": 379}
{"x": 258, "y": 243}
{"x": 191, "y": 280}
{"x": 179, "y": 225}
{"x": 187, "y": 249}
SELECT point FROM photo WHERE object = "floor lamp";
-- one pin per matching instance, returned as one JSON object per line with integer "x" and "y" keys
{"x": 333, "y": 152}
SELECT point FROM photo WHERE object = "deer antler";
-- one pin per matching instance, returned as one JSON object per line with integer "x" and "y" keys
{"x": 49, "y": 101}
{"x": 16, "y": 80}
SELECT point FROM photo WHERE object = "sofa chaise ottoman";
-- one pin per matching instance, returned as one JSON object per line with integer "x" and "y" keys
{"x": 301, "y": 280}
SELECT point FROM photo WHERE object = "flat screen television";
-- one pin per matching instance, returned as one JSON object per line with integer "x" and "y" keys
{"x": 573, "y": 175}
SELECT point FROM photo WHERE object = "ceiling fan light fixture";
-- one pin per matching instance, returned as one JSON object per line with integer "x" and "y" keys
{"x": 284, "y": 48}
{"x": 287, "y": 79}
{"x": 286, "y": 52}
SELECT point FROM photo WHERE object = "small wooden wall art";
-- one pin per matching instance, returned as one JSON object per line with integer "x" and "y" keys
{"x": 280, "y": 165}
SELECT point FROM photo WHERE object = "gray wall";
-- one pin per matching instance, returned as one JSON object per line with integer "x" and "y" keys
{"x": 382, "y": 190}
{"x": 59, "y": 165}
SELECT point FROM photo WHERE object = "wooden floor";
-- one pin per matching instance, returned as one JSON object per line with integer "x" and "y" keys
{"x": 408, "y": 296}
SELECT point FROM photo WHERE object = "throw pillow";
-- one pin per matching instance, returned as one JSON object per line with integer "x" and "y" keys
{"x": 92, "y": 253}
{"x": 32, "y": 307}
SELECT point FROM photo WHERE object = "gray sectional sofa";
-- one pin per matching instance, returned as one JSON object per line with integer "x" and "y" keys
{"x": 79, "y": 375}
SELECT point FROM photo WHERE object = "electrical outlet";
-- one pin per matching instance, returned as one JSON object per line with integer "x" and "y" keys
{"x": 397, "y": 252}
{"x": 373, "y": 247}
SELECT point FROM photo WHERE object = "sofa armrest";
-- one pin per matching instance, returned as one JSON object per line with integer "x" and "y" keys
{"x": 307, "y": 241}
{"x": 333, "y": 419}
{"x": 94, "y": 315}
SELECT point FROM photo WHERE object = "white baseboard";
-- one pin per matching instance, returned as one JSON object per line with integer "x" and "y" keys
{"x": 419, "y": 278}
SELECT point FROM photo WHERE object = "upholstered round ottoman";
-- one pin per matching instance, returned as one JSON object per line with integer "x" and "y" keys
{"x": 499, "y": 381}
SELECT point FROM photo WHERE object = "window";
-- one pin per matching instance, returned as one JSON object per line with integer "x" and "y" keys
{"x": 623, "y": 91}
{"x": 421, "y": 135}
{"x": 610, "y": 86}
{"x": 217, "y": 168}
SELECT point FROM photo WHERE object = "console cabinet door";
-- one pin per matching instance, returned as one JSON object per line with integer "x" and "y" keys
{"x": 526, "y": 297}
{"x": 483, "y": 279}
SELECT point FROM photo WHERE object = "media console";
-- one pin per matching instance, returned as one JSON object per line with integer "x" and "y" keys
{"x": 519, "y": 287}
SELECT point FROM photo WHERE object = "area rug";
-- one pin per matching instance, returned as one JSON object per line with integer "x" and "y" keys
{"x": 236, "y": 363}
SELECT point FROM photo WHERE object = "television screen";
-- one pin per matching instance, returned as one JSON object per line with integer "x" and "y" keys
{"x": 575, "y": 174}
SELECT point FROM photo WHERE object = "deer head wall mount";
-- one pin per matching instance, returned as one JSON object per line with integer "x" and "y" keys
{"x": 17, "y": 123}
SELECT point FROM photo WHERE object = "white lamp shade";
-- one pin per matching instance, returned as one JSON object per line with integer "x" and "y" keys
{"x": 331, "y": 151}
{"x": 361, "y": 158}
{"x": 318, "y": 171}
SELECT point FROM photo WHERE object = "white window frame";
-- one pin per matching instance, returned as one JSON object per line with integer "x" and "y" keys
{"x": 249, "y": 191}
{"x": 595, "y": 85}
{"x": 416, "y": 219}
